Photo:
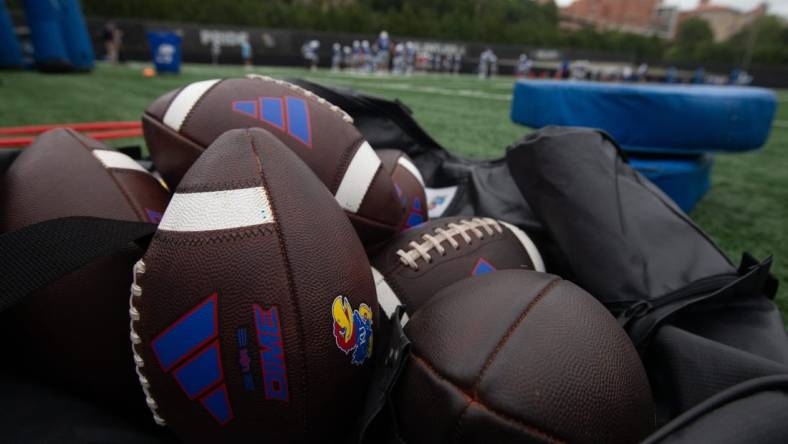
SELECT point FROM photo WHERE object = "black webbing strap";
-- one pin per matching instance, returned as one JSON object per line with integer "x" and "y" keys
{"x": 395, "y": 348}
{"x": 34, "y": 256}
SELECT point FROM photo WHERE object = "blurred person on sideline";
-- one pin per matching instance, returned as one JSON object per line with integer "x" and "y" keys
{"x": 643, "y": 72}
{"x": 672, "y": 75}
{"x": 524, "y": 65}
{"x": 383, "y": 55}
{"x": 216, "y": 51}
{"x": 410, "y": 57}
{"x": 246, "y": 54}
{"x": 367, "y": 64}
{"x": 336, "y": 57}
{"x": 309, "y": 52}
{"x": 456, "y": 62}
{"x": 113, "y": 39}
{"x": 699, "y": 78}
{"x": 398, "y": 62}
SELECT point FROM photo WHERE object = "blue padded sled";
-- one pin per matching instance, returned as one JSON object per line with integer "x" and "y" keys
{"x": 43, "y": 19}
{"x": 652, "y": 118}
{"x": 10, "y": 51}
{"x": 75, "y": 35}
{"x": 684, "y": 180}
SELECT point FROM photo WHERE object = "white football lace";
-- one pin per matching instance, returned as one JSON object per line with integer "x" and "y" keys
{"x": 421, "y": 250}
{"x": 134, "y": 314}
{"x": 345, "y": 116}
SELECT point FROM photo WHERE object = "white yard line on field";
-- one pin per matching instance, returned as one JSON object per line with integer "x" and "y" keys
{"x": 780, "y": 124}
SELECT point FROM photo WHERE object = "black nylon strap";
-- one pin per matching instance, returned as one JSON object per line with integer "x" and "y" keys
{"x": 36, "y": 255}
{"x": 385, "y": 374}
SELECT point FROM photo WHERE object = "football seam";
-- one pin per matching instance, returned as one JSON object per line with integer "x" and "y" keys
{"x": 369, "y": 221}
{"x": 193, "y": 144}
{"x": 139, "y": 363}
{"x": 137, "y": 211}
{"x": 290, "y": 282}
{"x": 213, "y": 186}
{"x": 140, "y": 208}
{"x": 466, "y": 226}
{"x": 213, "y": 239}
{"x": 375, "y": 179}
{"x": 195, "y": 105}
{"x": 526, "y": 311}
{"x": 534, "y": 430}
{"x": 399, "y": 266}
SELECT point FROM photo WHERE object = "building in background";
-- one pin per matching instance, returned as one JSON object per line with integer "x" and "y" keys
{"x": 723, "y": 20}
{"x": 644, "y": 17}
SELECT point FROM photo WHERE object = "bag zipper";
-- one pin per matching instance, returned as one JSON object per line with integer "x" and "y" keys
{"x": 701, "y": 286}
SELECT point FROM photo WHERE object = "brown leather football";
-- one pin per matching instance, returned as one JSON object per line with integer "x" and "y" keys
{"x": 252, "y": 309}
{"x": 74, "y": 331}
{"x": 520, "y": 356}
{"x": 417, "y": 263}
{"x": 409, "y": 184}
{"x": 179, "y": 125}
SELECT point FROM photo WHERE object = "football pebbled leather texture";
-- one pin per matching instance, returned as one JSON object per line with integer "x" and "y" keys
{"x": 520, "y": 356}
{"x": 252, "y": 310}
{"x": 179, "y": 125}
{"x": 73, "y": 331}
{"x": 417, "y": 263}
{"x": 409, "y": 184}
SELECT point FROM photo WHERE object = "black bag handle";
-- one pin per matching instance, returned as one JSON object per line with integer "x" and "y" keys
{"x": 34, "y": 256}
{"x": 754, "y": 279}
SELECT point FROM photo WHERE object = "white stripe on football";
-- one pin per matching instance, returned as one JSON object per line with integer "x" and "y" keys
{"x": 408, "y": 165}
{"x": 358, "y": 177}
{"x": 117, "y": 160}
{"x": 184, "y": 102}
{"x": 387, "y": 299}
{"x": 217, "y": 210}
{"x": 528, "y": 244}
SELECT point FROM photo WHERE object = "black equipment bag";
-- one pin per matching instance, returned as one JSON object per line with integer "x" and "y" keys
{"x": 754, "y": 411}
{"x": 703, "y": 326}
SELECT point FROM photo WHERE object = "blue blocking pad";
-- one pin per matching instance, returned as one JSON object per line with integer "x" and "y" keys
{"x": 685, "y": 180}
{"x": 652, "y": 118}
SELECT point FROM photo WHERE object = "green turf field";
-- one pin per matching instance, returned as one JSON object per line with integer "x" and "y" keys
{"x": 746, "y": 209}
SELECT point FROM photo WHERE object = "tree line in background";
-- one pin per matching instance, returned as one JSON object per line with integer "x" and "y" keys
{"x": 523, "y": 22}
{"x": 763, "y": 42}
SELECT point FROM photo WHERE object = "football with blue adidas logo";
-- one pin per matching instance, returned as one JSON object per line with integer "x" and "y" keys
{"x": 179, "y": 125}
{"x": 417, "y": 263}
{"x": 409, "y": 185}
{"x": 253, "y": 309}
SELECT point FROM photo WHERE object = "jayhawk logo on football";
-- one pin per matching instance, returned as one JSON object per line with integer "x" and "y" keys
{"x": 352, "y": 329}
